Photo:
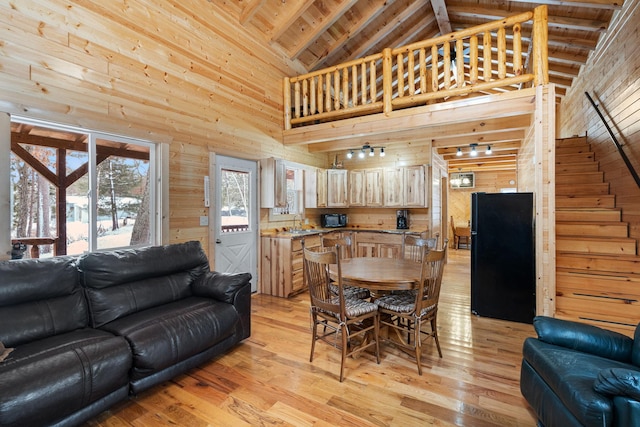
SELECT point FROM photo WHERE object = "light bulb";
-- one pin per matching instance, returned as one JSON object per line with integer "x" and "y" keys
{"x": 372, "y": 153}
{"x": 488, "y": 150}
{"x": 459, "y": 153}
{"x": 361, "y": 154}
{"x": 350, "y": 154}
{"x": 382, "y": 152}
{"x": 473, "y": 152}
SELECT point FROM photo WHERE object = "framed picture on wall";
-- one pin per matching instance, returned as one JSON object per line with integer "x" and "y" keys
{"x": 462, "y": 180}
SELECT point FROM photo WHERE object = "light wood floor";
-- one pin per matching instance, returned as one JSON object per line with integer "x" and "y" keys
{"x": 268, "y": 380}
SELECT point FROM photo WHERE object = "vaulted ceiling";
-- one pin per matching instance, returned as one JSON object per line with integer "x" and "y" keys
{"x": 323, "y": 33}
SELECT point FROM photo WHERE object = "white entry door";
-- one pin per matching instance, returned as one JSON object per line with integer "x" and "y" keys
{"x": 236, "y": 217}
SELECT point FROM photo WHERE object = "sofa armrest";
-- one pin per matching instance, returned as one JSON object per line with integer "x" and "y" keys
{"x": 585, "y": 338}
{"x": 221, "y": 286}
{"x": 618, "y": 382}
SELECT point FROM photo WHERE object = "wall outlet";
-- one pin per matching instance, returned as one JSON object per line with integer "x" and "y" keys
{"x": 204, "y": 220}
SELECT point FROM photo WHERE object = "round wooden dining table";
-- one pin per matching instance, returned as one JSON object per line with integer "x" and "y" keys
{"x": 379, "y": 275}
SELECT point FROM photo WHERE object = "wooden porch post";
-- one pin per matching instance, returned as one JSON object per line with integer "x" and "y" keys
{"x": 61, "y": 203}
{"x": 5, "y": 191}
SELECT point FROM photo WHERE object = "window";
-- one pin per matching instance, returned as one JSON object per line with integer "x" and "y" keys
{"x": 294, "y": 190}
{"x": 234, "y": 213}
{"x": 84, "y": 191}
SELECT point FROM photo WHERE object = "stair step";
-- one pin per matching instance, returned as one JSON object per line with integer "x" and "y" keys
{"x": 592, "y": 229}
{"x": 586, "y": 201}
{"x": 619, "y": 264}
{"x": 573, "y": 149}
{"x": 590, "y": 166}
{"x": 596, "y": 245}
{"x": 601, "y": 188}
{"x": 574, "y": 158}
{"x": 571, "y": 141}
{"x": 576, "y": 215}
{"x": 579, "y": 177}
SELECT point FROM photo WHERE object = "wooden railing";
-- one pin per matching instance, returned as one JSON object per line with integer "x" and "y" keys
{"x": 424, "y": 72}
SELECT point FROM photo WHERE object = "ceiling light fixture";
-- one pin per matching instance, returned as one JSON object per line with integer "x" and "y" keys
{"x": 372, "y": 153}
{"x": 488, "y": 151}
{"x": 350, "y": 154}
{"x": 459, "y": 153}
{"x": 381, "y": 151}
{"x": 362, "y": 152}
{"x": 473, "y": 152}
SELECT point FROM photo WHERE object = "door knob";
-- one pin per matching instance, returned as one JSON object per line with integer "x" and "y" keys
{"x": 218, "y": 241}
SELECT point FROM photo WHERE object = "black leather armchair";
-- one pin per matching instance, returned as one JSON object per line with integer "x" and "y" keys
{"x": 575, "y": 374}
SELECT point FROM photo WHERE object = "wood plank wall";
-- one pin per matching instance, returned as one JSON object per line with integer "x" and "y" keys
{"x": 487, "y": 182}
{"x": 188, "y": 76}
{"x": 611, "y": 77}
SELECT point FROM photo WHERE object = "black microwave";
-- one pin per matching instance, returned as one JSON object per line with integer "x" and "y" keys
{"x": 333, "y": 220}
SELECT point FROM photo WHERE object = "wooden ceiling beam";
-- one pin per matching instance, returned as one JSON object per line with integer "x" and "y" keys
{"x": 293, "y": 12}
{"x": 555, "y": 21}
{"x": 250, "y": 10}
{"x": 593, "y": 4}
{"x": 442, "y": 16}
{"x": 375, "y": 10}
{"x": 490, "y": 138}
{"x": 383, "y": 32}
{"x": 312, "y": 33}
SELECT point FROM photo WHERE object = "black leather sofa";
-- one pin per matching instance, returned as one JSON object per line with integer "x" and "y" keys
{"x": 87, "y": 332}
{"x": 574, "y": 374}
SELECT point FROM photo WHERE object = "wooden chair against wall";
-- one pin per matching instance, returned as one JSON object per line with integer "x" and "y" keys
{"x": 406, "y": 313}
{"x": 341, "y": 317}
{"x": 460, "y": 236}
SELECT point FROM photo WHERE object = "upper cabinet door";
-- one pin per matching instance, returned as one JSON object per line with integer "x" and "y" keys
{"x": 337, "y": 188}
{"x": 414, "y": 190}
{"x": 373, "y": 191}
{"x": 321, "y": 188}
{"x": 393, "y": 187}
{"x": 273, "y": 183}
{"x": 357, "y": 187}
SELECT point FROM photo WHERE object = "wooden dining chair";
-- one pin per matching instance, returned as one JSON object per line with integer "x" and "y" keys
{"x": 342, "y": 318}
{"x": 346, "y": 251}
{"x": 412, "y": 246}
{"x": 406, "y": 313}
{"x": 460, "y": 236}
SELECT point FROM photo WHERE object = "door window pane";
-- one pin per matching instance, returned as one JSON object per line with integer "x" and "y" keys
{"x": 234, "y": 212}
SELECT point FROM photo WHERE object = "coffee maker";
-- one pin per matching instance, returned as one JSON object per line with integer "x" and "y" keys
{"x": 402, "y": 219}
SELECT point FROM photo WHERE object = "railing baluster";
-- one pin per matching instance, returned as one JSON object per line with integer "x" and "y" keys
{"x": 517, "y": 50}
{"x": 435, "y": 84}
{"x": 400, "y": 74}
{"x": 373, "y": 87}
{"x": 502, "y": 53}
{"x": 459, "y": 63}
{"x": 327, "y": 92}
{"x": 363, "y": 83}
{"x": 312, "y": 94}
{"x": 447, "y": 64}
{"x": 354, "y": 85}
{"x": 422, "y": 57}
{"x": 296, "y": 98}
{"x": 336, "y": 90}
{"x": 486, "y": 56}
{"x": 345, "y": 88}
{"x": 305, "y": 98}
{"x": 473, "y": 59}
{"x": 320, "y": 95}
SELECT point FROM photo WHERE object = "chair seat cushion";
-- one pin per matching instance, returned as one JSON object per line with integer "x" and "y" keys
{"x": 51, "y": 378}
{"x": 355, "y": 307}
{"x": 572, "y": 375}
{"x": 352, "y": 291}
{"x": 401, "y": 302}
{"x": 163, "y": 336}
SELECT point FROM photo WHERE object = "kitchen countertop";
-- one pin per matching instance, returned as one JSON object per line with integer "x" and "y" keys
{"x": 314, "y": 231}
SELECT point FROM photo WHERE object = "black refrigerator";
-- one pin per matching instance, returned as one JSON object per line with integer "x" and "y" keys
{"x": 503, "y": 256}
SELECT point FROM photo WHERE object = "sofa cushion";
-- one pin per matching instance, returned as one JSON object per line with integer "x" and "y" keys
{"x": 123, "y": 282}
{"x": 635, "y": 353}
{"x": 49, "y": 379}
{"x": 571, "y": 375}
{"x": 164, "y": 335}
{"x": 39, "y": 298}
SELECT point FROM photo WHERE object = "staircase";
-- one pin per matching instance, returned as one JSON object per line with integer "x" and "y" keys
{"x": 597, "y": 266}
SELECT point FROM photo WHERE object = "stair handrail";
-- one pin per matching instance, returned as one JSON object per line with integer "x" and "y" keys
{"x": 615, "y": 142}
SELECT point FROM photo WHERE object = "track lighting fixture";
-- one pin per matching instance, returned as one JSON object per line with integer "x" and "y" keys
{"x": 364, "y": 150}
{"x": 474, "y": 151}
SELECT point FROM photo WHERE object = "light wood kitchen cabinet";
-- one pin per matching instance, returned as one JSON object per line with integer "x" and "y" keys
{"x": 281, "y": 264}
{"x": 273, "y": 184}
{"x": 414, "y": 186}
{"x": 393, "y": 187}
{"x": 357, "y": 187}
{"x": 373, "y": 192}
{"x": 321, "y": 188}
{"x": 337, "y": 188}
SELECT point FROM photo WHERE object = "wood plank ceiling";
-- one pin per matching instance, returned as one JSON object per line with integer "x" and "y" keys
{"x": 323, "y": 33}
